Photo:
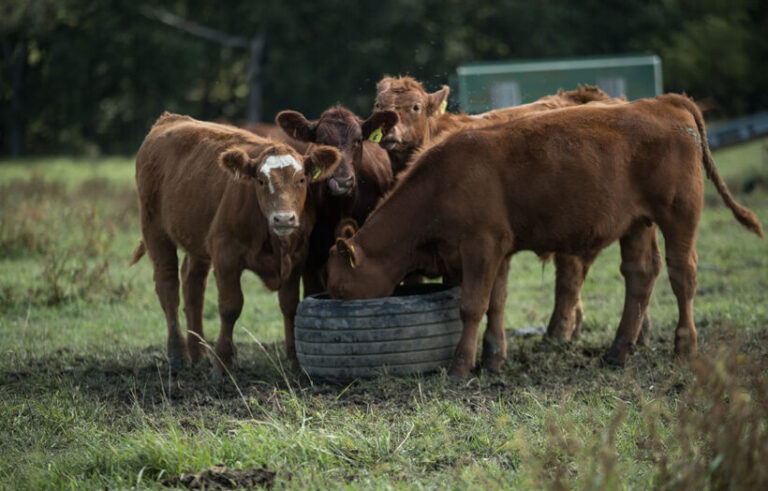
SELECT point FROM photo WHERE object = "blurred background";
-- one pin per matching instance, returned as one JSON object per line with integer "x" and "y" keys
{"x": 89, "y": 77}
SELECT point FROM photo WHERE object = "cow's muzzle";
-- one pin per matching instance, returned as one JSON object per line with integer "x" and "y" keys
{"x": 390, "y": 142}
{"x": 340, "y": 186}
{"x": 283, "y": 224}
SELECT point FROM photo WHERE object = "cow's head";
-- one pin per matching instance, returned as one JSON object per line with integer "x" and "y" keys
{"x": 351, "y": 274}
{"x": 281, "y": 177}
{"x": 340, "y": 128}
{"x": 414, "y": 106}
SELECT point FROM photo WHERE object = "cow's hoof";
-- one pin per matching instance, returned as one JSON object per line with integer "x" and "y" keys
{"x": 455, "y": 379}
{"x": 683, "y": 357}
{"x": 178, "y": 365}
{"x": 458, "y": 373}
{"x": 218, "y": 376}
{"x": 558, "y": 330}
{"x": 613, "y": 360}
{"x": 492, "y": 365}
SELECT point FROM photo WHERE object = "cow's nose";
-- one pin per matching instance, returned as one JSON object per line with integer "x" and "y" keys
{"x": 284, "y": 219}
{"x": 345, "y": 181}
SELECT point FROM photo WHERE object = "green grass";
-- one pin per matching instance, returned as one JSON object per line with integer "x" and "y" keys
{"x": 86, "y": 400}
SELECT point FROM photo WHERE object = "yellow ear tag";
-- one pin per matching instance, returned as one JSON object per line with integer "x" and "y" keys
{"x": 352, "y": 256}
{"x": 315, "y": 172}
{"x": 375, "y": 137}
{"x": 443, "y": 106}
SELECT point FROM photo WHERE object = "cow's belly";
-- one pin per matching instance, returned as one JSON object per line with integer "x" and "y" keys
{"x": 575, "y": 236}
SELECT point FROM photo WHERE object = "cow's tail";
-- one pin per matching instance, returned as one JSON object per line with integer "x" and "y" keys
{"x": 138, "y": 253}
{"x": 745, "y": 216}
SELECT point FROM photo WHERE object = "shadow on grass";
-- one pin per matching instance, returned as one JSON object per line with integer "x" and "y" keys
{"x": 127, "y": 378}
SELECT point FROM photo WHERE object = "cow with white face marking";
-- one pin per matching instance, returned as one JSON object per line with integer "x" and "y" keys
{"x": 231, "y": 200}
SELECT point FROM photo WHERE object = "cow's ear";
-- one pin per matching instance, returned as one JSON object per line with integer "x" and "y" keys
{"x": 345, "y": 247}
{"x": 384, "y": 84}
{"x": 321, "y": 162}
{"x": 236, "y": 162}
{"x": 378, "y": 125}
{"x": 438, "y": 101}
{"x": 346, "y": 228}
{"x": 296, "y": 125}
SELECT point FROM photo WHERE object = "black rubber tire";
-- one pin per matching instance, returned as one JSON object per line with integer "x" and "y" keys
{"x": 416, "y": 330}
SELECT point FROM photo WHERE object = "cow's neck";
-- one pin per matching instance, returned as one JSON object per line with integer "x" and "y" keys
{"x": 446, "y": 123}
{"x": 394, "y": 232}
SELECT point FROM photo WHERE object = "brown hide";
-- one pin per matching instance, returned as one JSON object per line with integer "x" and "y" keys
{"x": 273, "y": 131}
{"x": 422, "y": 119}
{"x": 572, "y": 181}
{"x": 231, "y": 200}
{"x": 360, "y": 180}
{"x": 419, "y": 130}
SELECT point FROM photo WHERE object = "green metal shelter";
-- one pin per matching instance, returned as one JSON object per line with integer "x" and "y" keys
{"x": 486, "y": 86}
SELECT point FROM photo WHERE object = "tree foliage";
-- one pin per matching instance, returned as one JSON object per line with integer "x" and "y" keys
{"x": 87, "y": 77}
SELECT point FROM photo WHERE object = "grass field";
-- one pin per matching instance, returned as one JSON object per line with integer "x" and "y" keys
{"x": 86, "y": 399}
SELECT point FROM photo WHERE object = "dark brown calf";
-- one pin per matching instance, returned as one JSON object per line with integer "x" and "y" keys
{"x": 231, "y": 200}
{"x": 423, "y": 122}
{"x": 571, "y": 181}
{"x": 360, "y": 180}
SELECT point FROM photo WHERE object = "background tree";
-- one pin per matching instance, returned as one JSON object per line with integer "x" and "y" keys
{"x": 88, "y": 77}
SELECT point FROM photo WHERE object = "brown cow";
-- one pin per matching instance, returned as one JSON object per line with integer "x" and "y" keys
{"x": 423, "y": 117}
{"x": 231, "y": 200}
{"x": 360, "y": 180}
{"x": 423, "y": 122}
{"x": 273, "y": 131}
{"x": 572, "y": 180}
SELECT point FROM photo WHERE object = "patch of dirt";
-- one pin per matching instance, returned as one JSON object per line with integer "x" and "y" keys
{"x": 222, "y": 477}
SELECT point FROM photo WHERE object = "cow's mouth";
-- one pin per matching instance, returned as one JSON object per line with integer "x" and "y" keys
{"x": 284, "y": 230}
{"x": 339, "y": 189}
{"x": 390, "y": 143}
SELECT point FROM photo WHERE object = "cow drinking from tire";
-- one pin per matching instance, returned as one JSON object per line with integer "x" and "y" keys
{"x": 424, "y": 122}
{"x": 231, "y": 200}
{"x": 572, "y": 180}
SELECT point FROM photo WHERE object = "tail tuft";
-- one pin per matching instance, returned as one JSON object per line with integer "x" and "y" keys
{"x": 138, "y": 253}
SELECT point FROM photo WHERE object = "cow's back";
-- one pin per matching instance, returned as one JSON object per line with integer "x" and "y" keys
{"x": 571, "y": 179}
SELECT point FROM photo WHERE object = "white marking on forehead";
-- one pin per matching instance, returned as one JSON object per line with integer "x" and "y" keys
{"x": 278, "y": 162}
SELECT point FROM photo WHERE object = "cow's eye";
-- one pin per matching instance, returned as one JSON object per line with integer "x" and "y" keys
{"x": 302, "y": 180}
{"x": 261, "y": 181}
{"x": 416, "y": 108}
{"x": 377, "y": 106}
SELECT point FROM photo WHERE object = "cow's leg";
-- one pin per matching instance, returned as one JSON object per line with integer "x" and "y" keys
{"x": 681, "y": 267}
{"x": 571, "y": 270}
{"x": 227, "y": 272}
{"x": 194, "y": 273}
{"x": 640, "y": 265}
{"x": 165, "y": 264}
{"x": 494, "y": 339}
{"x": 289, "y": 300}
{"x": 480, "y": 263}
{"x": 644, "y": 338}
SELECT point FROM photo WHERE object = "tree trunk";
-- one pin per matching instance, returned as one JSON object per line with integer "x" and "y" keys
{"x": 254, "y": 79}
{"x": 17, "y": 127}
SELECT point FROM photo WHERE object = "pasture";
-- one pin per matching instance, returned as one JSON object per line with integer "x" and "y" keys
{"x": 86, "y": 398}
